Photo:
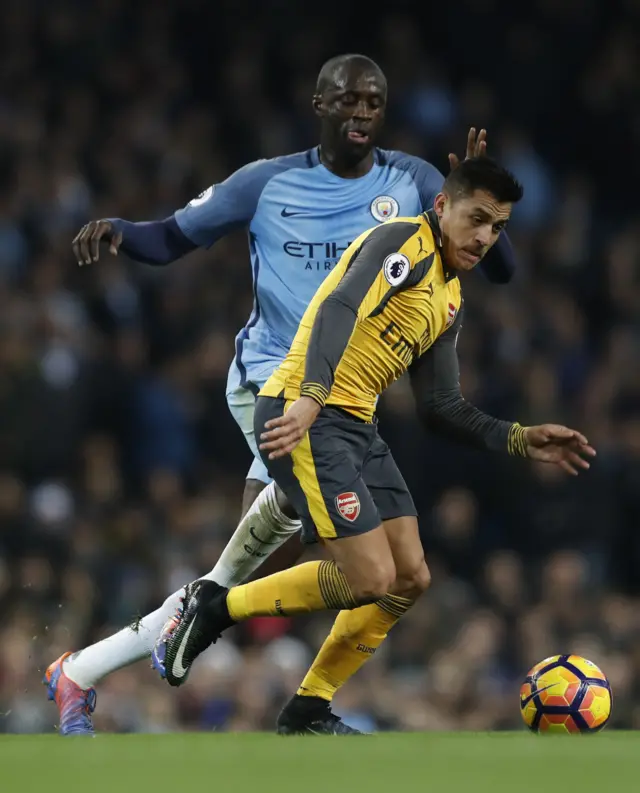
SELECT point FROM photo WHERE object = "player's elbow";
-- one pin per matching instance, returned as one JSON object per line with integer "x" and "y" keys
{"x": 439, "y": 407}
{"x": 431, "y": 417}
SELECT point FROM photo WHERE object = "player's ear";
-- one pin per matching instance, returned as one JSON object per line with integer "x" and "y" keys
{"x": 318, "y": 107}
{"x": 439, "y": 204}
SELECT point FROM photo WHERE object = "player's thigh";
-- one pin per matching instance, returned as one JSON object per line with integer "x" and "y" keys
{"x": 367, "y": 563}
{"x": 322, "y": 479}
{"x": 241, "y": 400}
{"x": 397, "y": 509}
{"x": 242, "y": 405}
{"x": 385, "y": 482}
{"x": 344, "y": 512}
{"x": 412, "y": 572}
{"x": 327, "y": 464}
{"x": 281, "y": 470}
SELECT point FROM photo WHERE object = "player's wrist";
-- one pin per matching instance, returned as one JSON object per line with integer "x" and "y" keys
{"x": 517, "y": 440}
{"x": 310, "y": 409}
{"x": 315, "y": 391}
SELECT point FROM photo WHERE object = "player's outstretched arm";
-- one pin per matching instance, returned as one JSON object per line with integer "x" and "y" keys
{"x": 152, "y": 242}
{"x": 435, "y": 379}
{"x": 214, "y": 213}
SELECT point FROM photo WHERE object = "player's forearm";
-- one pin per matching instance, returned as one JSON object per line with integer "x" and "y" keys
{"x": 500, "y": 263}
{"x": 153, "y": 242}
{"x": 330, "y": 335}
{"x": 449, "y": 414}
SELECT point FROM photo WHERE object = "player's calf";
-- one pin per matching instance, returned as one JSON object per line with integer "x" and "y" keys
{"x": 354, "y": 639}
{"x": 262, "y": 531}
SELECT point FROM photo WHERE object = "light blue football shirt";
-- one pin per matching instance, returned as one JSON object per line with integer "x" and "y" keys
{"x": 300, "y": 217}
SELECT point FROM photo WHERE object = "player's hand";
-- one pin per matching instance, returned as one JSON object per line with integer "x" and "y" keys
{"x": 552, "y": 443}
{"x": 476, "y": 147}
{"x": 285, "y": 433}
{"x": 86, "y": 245}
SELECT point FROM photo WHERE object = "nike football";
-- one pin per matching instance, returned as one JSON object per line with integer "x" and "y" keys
{"x": 565, "y": 694}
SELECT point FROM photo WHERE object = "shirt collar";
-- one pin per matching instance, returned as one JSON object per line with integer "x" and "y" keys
{"x": 432, "y": 220}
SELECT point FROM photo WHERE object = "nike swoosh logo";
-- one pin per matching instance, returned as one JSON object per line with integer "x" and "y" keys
{"x": 286, "y": 214}
{"x": 262, "y": 542}
{"x": 528, "y": 699}
{"x": 177, "y": 668}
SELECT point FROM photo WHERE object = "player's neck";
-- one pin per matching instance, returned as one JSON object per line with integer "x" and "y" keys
{"x": 345, "y": 167}
{"x": 441, "y": 241}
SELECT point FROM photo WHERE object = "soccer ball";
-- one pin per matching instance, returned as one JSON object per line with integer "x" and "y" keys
{"x": 565, "y": 694}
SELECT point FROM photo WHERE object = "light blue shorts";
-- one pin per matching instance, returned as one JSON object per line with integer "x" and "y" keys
{"x": 242, "y": 402}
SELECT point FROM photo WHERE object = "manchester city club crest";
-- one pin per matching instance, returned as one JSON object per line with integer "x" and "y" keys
{"x": 384, "y": 207}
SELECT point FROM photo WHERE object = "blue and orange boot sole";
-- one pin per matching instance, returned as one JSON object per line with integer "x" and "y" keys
{"x": 75, "y": 704}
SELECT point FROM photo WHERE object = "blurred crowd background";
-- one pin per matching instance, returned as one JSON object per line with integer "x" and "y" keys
{"x": 121, "y": 470}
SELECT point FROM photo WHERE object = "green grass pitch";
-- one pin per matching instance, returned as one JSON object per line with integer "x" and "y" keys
{"x": 257, "y": 763}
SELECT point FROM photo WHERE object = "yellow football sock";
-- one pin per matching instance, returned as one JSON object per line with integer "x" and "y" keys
{"x": 354, "y": 638}
{"x": 312, "y": 586}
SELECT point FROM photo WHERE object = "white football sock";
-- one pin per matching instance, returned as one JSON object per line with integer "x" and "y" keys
{"x": 262, "y": 530}
{"x": 129, "y": 645}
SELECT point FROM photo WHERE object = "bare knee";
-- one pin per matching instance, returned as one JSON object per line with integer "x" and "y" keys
{"x": 367, "y": 563}
{"x": 285, "y": 505}
{"x": 413, "y": 581}
{"x": 374, "y": 585}
{"x": 422, "y": 580}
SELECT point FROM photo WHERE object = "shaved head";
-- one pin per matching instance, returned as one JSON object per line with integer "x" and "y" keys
{"x": 350, "y": 100}
{"x": 338, "y": 70}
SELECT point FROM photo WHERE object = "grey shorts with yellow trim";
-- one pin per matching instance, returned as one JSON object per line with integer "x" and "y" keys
{"x": 341, "y": 479}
